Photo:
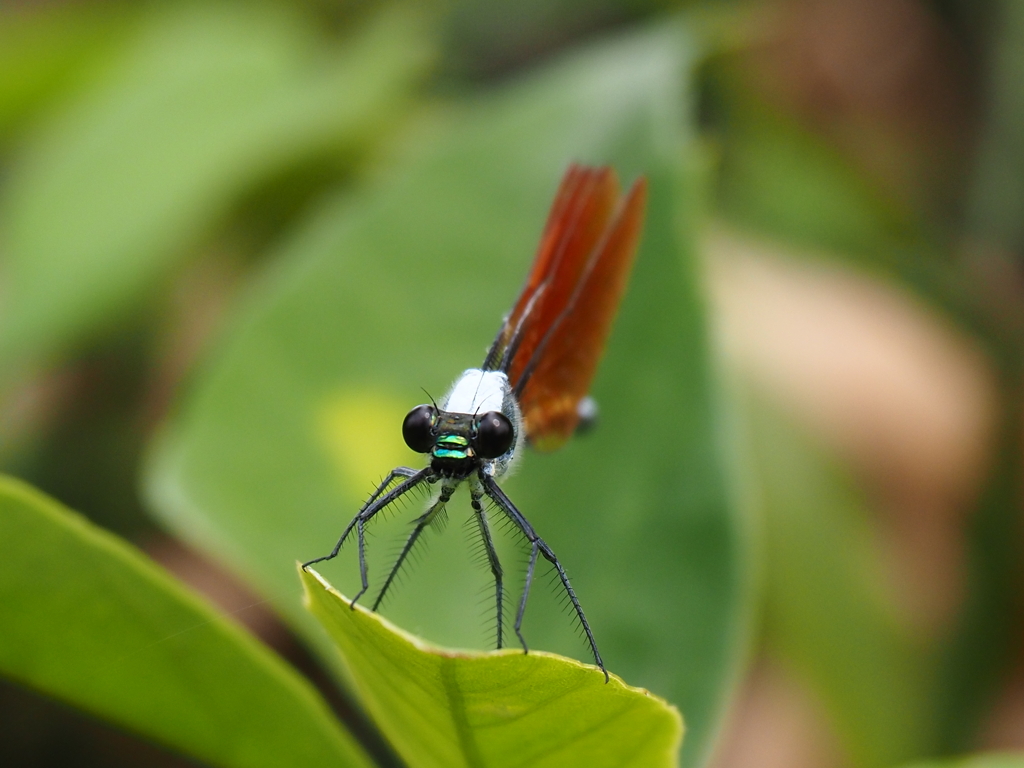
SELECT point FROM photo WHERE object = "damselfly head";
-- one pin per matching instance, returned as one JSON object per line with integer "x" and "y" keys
{"x": 477, "y": 426}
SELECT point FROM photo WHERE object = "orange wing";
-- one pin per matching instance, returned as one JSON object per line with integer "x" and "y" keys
{"x": 553, "y": 339}
{"x": 586, "y": 196}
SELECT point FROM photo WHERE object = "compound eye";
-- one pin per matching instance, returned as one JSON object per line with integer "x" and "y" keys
{"x": 418, "y": 428}
{"x": 494, "y": 435}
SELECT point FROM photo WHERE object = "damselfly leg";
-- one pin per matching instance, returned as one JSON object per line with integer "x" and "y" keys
{"x": 421, "y": 523}
{"x": 505, "y": 504}
{"x": 492, "y": 558}
{"x": 377, "y": 501}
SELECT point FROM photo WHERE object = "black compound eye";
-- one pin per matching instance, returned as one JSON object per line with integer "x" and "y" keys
{"x": 418, "y": 428}
{"x": 494, "y": 435}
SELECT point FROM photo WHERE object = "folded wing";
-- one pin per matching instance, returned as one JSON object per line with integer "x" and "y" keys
{"x": 552, "y": 341}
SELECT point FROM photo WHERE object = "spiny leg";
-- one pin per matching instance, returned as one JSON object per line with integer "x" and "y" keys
{"x": 421, "y": 523}
{"x": 364, "y": 575}
{"x": 526, "y": 593}
{"x": 375, "y": 504}
{"x": 503, "y": 501}
{"x": 546, "y": 551}
{"x": 492, "y": 557}
{"x": 371, "y": 506}
{"x": 406, "y": 472}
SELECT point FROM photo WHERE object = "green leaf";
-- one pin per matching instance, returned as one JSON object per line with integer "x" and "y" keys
{"x": 209, "y": 100}
{"x": 994, "y": 760}
{"x": 403, "y": 286}
{"x": 89, "y": 620}
{"x": 827, "y": 611}
{"x": 448, "y": 709}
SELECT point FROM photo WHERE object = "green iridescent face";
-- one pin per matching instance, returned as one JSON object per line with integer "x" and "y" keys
{"x": 451, "y": 447}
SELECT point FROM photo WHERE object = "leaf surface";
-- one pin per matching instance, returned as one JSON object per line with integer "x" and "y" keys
{"x": 89, "y": 620}
{"x": 448, "y": 709}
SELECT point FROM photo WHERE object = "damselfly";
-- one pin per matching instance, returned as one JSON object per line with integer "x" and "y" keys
{"x": 532, "y": 387}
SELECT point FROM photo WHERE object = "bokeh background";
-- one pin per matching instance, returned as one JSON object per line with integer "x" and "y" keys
{"x": 854, "y": 217}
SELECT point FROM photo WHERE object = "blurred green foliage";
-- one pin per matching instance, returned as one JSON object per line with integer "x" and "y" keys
{"x": 826, "y": 609}
{"x": 204, "y": 104}
{"x": 243, "y": 236}
{"x": 980, "y": 761}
